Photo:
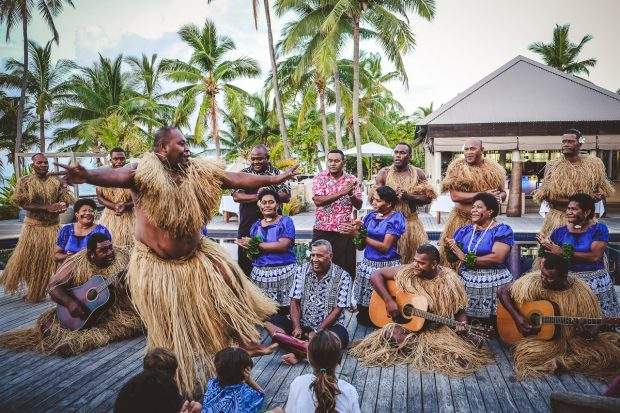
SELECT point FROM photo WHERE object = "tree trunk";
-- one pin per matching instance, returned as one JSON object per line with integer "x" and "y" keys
{"x": 324, "y": 122}
{"x": 337, "y": 130}
{"x": 356, "y": 96}
{"x": 42, "y": 132}
{"x": 274, "y": 81}
{"x": 22, "y": 96}
{"x": 215, "y": 135}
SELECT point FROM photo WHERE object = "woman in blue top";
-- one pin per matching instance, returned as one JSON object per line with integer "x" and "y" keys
{"x": 72, "y": 238}
{"x": 273, "y": 269}
{"x": 589, "y": 240}
{"x": 384, "y": 226}
{"x": 482, "y": 248}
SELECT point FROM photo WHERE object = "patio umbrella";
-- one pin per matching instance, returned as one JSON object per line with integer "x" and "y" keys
{"x": 370, "y": 149}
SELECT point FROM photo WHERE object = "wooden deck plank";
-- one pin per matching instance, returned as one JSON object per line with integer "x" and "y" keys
{"x": 368, "y": 398}
{"x": 386, "y": 385}
{"x": 530, "y": 387}
{"x": 444, "y": 393}
{"x": 491, "y": 401}
{"x": 459, "y": 395}
{"x": 399, "y": 389}
{"x": 429, "y": 392}
{"x": 414, "y": 390}
{"x": 475, "y": 400}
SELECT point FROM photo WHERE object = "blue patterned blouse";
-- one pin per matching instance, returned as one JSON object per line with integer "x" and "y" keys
{"x": 283, "y": 228}
{"x": 378, "y": 229}
{"x": 499, "y": 233}
{"x": 69, "y": 242}
{"x": 236, "y": 398}
{"x": 582, "y": 243}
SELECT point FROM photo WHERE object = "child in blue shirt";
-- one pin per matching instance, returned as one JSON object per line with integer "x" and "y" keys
{"x": 234, "y": 390}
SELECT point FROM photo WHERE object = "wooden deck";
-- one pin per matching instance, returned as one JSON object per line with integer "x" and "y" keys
{"x": 30, "y": 382}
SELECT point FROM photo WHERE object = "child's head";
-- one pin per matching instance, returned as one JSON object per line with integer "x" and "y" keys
{"x": 161, "y": 359}
{"x": 231, "y": 364}
{"x": 149, "y": 391}
{"x": 324, "y": 354}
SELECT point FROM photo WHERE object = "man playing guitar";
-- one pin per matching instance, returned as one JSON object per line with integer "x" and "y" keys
{"x": 577, "y": 346}
{"x": 118, "y": 320}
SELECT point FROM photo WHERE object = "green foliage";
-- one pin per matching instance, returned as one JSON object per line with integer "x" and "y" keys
{"x": 562, "y": 54}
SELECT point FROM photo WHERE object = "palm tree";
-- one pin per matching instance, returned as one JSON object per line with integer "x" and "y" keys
{"x": 423, "y": 111}
{"x": 562, "y": 54}
{"x": 46, "y": 82}
{"x": 207, "y": 73}
{"x": 103, "y": 109}
{"x": 9, "y": 107}
{"x": 13, "y": 12}
{"x": 274, "y": 73}
{"x": 386, "y": 22}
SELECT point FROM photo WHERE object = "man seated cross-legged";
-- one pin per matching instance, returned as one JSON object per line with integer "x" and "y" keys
{"x": 436, "y": 347}
{"x": 117, "y": 321}
{"x": 579, "y": 348}
{"x": 320, "y": 292}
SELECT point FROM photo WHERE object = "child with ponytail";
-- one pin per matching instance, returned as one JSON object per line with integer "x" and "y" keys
{"x": 322, "y": 392}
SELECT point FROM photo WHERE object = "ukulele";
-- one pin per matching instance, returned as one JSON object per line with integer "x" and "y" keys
{"x": 544, "y": 316}
{"x": 414, "y": 313}
{"x": 94, "y": 294}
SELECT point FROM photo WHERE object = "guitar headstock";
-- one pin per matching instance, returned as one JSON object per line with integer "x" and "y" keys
{"x": 484, "y": 331}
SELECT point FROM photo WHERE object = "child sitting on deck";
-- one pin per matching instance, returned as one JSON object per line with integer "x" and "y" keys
{"x": 322, "y": 392}
{"x": 234, "y": 390}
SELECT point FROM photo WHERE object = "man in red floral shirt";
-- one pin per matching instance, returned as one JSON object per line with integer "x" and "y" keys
{"x": 335, "y": 193}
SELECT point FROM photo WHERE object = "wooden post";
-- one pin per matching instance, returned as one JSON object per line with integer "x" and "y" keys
{"x": 436, "y": 170}
{"x": 514, "y": 261}
{"x": 514, "y": 196}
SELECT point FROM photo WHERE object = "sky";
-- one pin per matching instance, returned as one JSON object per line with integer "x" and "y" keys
{"x": 467, "y": 40}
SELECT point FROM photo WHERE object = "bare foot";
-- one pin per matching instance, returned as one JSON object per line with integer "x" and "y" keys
{"x": 255, "y": 349}
{"x": 290, "y": 359}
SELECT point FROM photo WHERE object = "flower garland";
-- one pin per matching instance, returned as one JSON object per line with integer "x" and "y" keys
{"x": 253, "y": 250}
{"x": 470, "y": 260}
{"x": 568, "y": 252}
{"x": 360, "y": 239}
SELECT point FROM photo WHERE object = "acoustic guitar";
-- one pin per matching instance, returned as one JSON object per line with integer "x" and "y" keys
{"x": 94, "y": 294}
{"x": 414, "y": 313}
{"x": 544, "y": 316}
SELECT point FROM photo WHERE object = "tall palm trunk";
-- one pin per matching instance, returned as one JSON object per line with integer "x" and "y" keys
{"x": 356, "y": 96}
{"x": 215, "y": 133}
{"x": 274, "y": 81}
{"x": 337, "y": 130}
{"x": 22, "y": 96}
{"x": 42, "y": 131}
{"x": 323, "y": 119}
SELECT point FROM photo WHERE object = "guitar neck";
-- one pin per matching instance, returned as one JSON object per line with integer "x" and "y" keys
{"x": 563, "y": 320}
{"x": 432, "y": 317}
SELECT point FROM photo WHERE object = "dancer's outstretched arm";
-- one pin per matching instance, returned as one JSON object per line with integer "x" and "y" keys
{"x": 105, "y": 177}
{"x": 242, "y": 180}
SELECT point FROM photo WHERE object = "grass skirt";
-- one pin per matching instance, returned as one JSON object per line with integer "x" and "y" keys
{"x": 275, "y": 282}
{"x": 603, "y": 287}
{"x": 32, "y": 262}
{"x": 120, "y": 226}
{"x": 456, "y": 219}
{"x": 414, "y": 236}
{"x": 195, "y": 306}
{"x": 119, "y": 322}
{"x": 362, "y": 289}
{"x": 430, "y": 350}
{"x": 481, "y": 285}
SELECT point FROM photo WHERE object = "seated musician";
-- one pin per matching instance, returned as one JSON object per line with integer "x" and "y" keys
{"x": 578, "y": 348}
{"x": 436, "y": 347}
{"x": 321, "y": 291}
{"x": 118, "y": 321}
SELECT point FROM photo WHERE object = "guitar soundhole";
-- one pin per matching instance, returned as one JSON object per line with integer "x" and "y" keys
{"x": 535, "y": 319}
{"x": 91, "y": 294}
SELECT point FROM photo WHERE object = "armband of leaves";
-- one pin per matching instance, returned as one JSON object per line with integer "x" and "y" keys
{"x": 253, "y": 251}
{"x": 568, "y": 251}
{"x": 360, "y": 239}
{"x": 470, "y": 260}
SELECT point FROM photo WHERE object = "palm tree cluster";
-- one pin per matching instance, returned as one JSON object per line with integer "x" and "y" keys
{"x": 321, "y": 92}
